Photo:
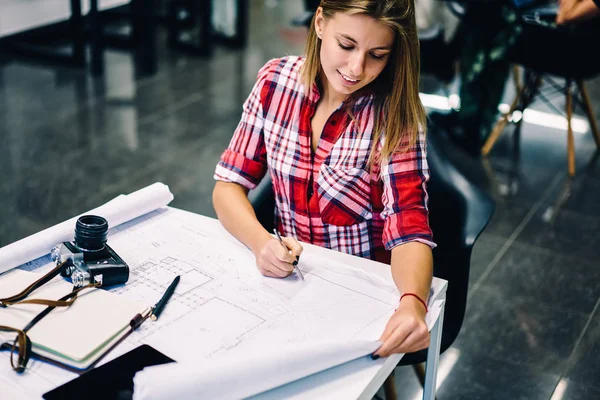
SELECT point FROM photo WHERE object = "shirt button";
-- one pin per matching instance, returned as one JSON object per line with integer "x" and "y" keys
{"x": 332, "y": 122}
{"x": 310, "y": 192}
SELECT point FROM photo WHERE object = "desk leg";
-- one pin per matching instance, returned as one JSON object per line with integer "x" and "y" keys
{"x": 77, "y": 29}
{"x": 433, "y": 356}
{"x": 96, "y": 33}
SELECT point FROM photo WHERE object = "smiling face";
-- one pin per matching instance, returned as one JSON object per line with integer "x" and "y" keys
{"x": 354, "y": 51}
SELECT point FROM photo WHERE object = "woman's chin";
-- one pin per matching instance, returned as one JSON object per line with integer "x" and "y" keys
{"x": 346, "y": 90}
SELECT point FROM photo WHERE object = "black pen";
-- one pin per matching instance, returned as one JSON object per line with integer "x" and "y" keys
{"x": 158, "y": 307}
{"x": 288, "y": 249}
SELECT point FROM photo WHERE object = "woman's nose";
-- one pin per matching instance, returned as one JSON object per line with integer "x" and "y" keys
{"x": 357, "y": 66}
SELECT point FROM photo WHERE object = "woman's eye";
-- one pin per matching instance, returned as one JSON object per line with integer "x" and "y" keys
{"x": 344, "y": 47}
{"x": 375, "y": 56}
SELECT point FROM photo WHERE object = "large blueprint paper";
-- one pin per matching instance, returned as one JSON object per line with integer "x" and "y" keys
{"x": 224, "y": 310}
{"x": 117, "y": 211}
{"x": 223, "y": 304}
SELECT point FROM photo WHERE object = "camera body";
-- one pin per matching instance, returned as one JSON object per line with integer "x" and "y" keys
{"x": 88, "y": 259}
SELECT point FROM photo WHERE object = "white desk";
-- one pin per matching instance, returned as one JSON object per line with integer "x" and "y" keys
{"x": 358, "y": 379}
{"x": 21, "y": 15}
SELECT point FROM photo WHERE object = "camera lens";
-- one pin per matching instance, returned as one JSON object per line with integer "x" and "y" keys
{"x": 90, "y": 232}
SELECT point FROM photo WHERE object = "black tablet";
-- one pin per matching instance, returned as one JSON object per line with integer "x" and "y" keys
{"x": 113, "y": 380}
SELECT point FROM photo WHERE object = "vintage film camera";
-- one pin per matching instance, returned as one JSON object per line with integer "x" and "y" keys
{"x": 88, "y": 259}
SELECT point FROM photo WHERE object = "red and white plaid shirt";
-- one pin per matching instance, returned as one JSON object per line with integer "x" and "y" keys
{"x": 328, "y": 198}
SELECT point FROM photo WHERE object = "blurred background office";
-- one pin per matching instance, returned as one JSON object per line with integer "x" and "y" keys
{"x": 103, "y": 97}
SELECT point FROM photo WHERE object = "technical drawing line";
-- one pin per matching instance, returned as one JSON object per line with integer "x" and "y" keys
{"x": 347, "y": 288}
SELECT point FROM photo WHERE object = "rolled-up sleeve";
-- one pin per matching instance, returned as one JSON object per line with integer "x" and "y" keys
{"x": 244, "y": 161}
{"x": 405, "y": 213}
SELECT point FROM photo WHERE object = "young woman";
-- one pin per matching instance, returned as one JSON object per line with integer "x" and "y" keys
{"x": 340, "y": 132}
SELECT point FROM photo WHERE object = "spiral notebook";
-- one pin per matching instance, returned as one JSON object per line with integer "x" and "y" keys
{"x": 74, "y": 337}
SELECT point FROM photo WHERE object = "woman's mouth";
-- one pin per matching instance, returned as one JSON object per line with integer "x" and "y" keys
{"x": 346, "y": 80}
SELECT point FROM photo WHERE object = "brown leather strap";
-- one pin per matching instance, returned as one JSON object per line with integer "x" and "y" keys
{"x": 24, "y": 345}
{"x": 27, "y": 291}
{"x": 44, "y": 302}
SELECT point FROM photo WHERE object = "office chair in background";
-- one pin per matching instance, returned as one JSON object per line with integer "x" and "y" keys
{"x": 559, "y": 56}
{"x": 458, "y": 212}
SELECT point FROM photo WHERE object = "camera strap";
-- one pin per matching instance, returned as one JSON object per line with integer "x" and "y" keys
{"x": 22, "y": 341}
{"x": 27, "y": 291}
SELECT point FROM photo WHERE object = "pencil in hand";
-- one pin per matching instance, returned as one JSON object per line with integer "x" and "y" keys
{"x": 290, "y": 251}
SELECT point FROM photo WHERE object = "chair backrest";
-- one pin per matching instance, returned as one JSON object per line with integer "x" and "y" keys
{"x": 563, "y": 51}
{"x": 262, "y": 199}
{"x": 458, "y": 213}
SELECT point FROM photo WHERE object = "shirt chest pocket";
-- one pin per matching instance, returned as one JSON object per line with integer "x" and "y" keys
{"x": 344, "y": 195}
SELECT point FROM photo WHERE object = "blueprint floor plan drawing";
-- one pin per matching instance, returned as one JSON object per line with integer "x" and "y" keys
{"x": 221, "y": 288}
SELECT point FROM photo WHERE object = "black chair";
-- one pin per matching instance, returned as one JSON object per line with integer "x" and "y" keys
{"x": 555, "y": 59}
{"x": 458, "y": 212}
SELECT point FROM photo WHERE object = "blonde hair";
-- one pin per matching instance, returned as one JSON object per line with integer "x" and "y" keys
{"x": 398, "y": 109}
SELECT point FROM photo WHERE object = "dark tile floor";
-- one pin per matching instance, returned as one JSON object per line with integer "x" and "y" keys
{"x": 70, "y": 143}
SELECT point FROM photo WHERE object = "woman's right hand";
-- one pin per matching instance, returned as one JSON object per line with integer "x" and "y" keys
{"x": 274, "y": 260}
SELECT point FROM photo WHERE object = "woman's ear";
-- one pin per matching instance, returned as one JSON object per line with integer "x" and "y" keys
{"x": 319, "y": 22}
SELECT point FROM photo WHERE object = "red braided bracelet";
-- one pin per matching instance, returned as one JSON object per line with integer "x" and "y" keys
{"x": 417, "y": 297}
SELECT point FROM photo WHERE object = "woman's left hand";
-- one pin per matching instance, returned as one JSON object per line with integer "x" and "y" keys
{"x": 406, "y": 331}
